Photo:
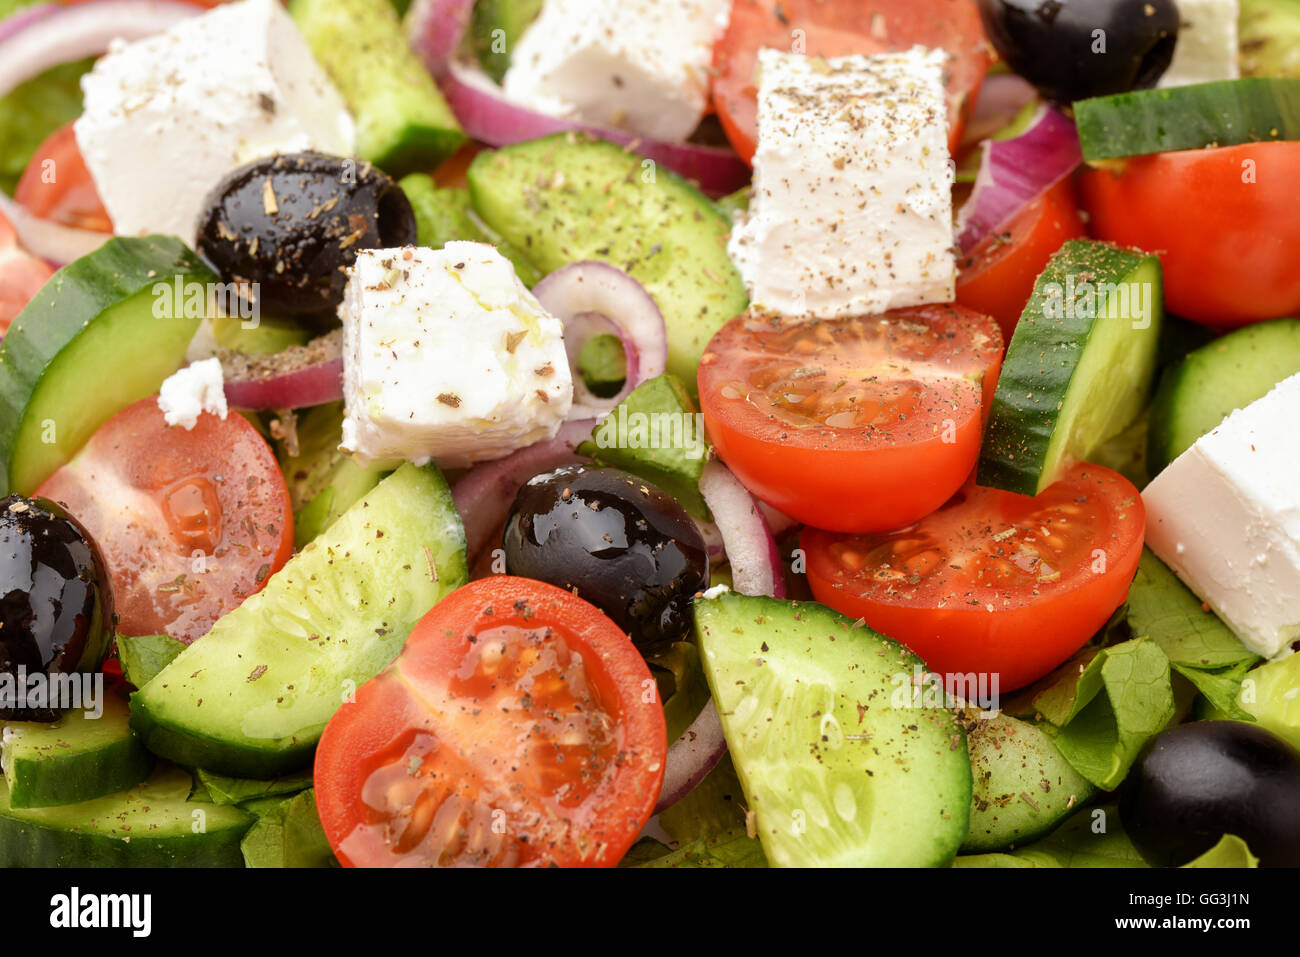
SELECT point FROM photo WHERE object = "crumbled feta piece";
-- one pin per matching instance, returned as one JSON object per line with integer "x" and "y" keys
{"x": 193, "y": 390}
{"x": 640, "y": 64}
{"x": 852, "y": 205}
{"x": 1206, "y": 49}
{"x": 1225, "y": 516}
{"x": 447, "y": 356}
{"x": 165, "y": 118}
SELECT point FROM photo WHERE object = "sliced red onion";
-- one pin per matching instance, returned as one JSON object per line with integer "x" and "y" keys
{"x": 51, "y": 241}
{"x": 692, "y": 756}
{"x": 485, "y": 493}
{"x": 1014, "y": 172}
{"x": 435, "y": 28}
{"x": 592, "y": 297}
{"x": 778, "y": 523}
{"x": 712, "y": 540}
{"x": 1002, "y": 96}
{"x": 751, "y": 550}
{"x": 295, "y": 378}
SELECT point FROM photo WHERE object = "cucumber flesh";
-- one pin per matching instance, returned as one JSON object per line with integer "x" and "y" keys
{"x": 836, "y": 772}
{"x": 56, "y": 388}
{"x": 570, "y": 197}
{"x": 1191, "y": 117}
{"x": 74, "y": 759}
{"x": 150, "y": 825}
{"x": 1230, "y": 373}
{"x": 251, "y": 698}
{"x": 1079, "y": 368}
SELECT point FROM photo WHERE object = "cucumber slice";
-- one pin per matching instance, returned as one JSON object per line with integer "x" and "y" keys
{"x": 74, "y": 759}
{"x": 1192, "y": 117}
{"x": 496, "y": 27}
{"x": 144, "y": 656}
{"x": 1022, "y": 786}
{"x": 1079, "y": 367}
{"x": 837, "y": 772}
{"x": 403, "y": 122}
{"x": 251, "y": 698}
{"x": 268, "y": 337}
{"x": 151, "y": 825}
{"x": 1268, "y": 37}
{"x": 1199, "y": 392}
{"x": 569, "y": 197}
{"x": 56, "y": 387}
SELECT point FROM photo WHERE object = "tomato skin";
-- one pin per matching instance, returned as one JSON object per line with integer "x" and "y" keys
{"x": 424, "y": 692}
{"x": 21, "y": 275}
{"x": 837, "y": 28}
{"x": 849, "y": 479}
{"x": 960, "y": 622}
{"x": 70, "y": 196}
{"x": 1225, "y": 223}
{"x": 157, "y": 498}
{"x": 997, "y": 276}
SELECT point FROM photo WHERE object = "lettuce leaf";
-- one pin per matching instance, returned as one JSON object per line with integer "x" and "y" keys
{"x": 287, "y": 833}
{"x": 35, "y": 109}
{"x": 1092, "y": 838}
{"x": 730, "y": 849}
{"x": 1231, "y": 851}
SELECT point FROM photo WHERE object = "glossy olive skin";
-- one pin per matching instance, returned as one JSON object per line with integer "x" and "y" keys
{"x": 56, "y": 614}
{"x": 1196, "y": 782}
{"x": 295, "y": 238}
{"x": 623, "y": 544}
{"x": 1054, "y": 44}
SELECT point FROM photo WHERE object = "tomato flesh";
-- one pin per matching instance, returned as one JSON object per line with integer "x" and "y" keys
{"x": 1225, "y": 223}
{"x": 21, "y": 275}
{"x": 993, "y": 582}
{"x": 519, "y": 727}
{"x": 190, "y": 522}
{"x": 860, "y": 424}
{"x": 832, "y": 28}
{"x": 57, "y": 186}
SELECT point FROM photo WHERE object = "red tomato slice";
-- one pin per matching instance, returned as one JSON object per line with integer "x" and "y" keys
{"x": 21, "y": 275}
{"x": 993, "y": 582}
{"x": 997, "y": 277}
{"x": 860, "y": 424}
{"x": 1225, "y": 223}
{"x": 57, "y": 186}
{"x": 518, "y": 727}
{"x": 190, "y": 523}
{"x": 837, "y": 28}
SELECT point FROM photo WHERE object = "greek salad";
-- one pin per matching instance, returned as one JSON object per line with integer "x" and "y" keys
{"x": 663, "y": 433}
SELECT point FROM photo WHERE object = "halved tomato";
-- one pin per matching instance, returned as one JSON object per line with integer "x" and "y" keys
{"x": 993, "y": 583}
{"x": 859, "y": 424}
{"x": 57, "y": 186}
{"x": 21, "y": 275}
{"x": 837, "y": 28}
{"x": 997, "y": 276}
{"x": 518, "y": 727}
{"x": 190, "y": 522}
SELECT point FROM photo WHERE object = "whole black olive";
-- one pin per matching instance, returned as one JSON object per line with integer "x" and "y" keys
{"x": 623, "y": 544}
{"x": 56, "y": 605}
{"x": 1197, "y": 782}
{"x": 1073, "y": 49}
{"x": 293, "y": 223}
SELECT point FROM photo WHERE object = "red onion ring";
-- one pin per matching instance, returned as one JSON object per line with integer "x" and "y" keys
{"x": 1001, "y": 97}
{"x": 592, "y": 297}
{"x": 48, "y": 240}
{"x": 1014, "y": 172}
{"x": 295, "y": 378}
{"x": 435, "y": 28}
{"x": 756, "y": 567}
{"x": 692, "y": 756}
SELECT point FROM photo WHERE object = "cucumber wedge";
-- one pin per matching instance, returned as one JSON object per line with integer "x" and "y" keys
{"x": 839, "y": 769}
{"x": 57, "y": 382}
{"x": 1192, "y": 117}
{"x": 150, "y": 825}
{"x": 76, "y": 758}
{"x": 251, "y": 698}
{"x": 1079, "y": 368}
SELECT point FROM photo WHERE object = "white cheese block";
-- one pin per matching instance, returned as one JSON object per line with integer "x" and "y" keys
{"x": 165, "y": 118}
{"x": 641, "y": 65}
{"x": 447, "y": 356}
{"x": 852, "y": 205}
{"x": 1225, "y": 515}
{"x": 1207, "y": 43}
{"x": 196, "y": 389}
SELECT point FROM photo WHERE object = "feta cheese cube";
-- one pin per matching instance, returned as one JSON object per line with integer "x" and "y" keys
{"x": 852, "y": 205}
{"x": 193, "y": 390}
{"x": 165, "y": 118}
{"x": 641, "y": 65}
{"x": 1207, "y": 43}
{"x": 1225, "y": 516}
{"x": 447, "y": 356}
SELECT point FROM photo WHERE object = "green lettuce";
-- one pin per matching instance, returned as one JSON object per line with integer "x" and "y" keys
{"x": 730, "y": 849}
{"x": 287, "y": 833}
{"x": 1231, "y": 851}
{"x": 1093, "y": 837}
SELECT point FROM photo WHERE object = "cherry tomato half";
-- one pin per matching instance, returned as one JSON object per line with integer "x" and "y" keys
{"x": 57, "y": 186}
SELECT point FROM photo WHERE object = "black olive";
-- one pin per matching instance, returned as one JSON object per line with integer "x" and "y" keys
{"x": 623, "y": 544}
{"x": 293, "y": 223}
{"x": 56, "y": 609}
{"x": 1197, "y": 782}
{"x": 1073, "y": 49}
